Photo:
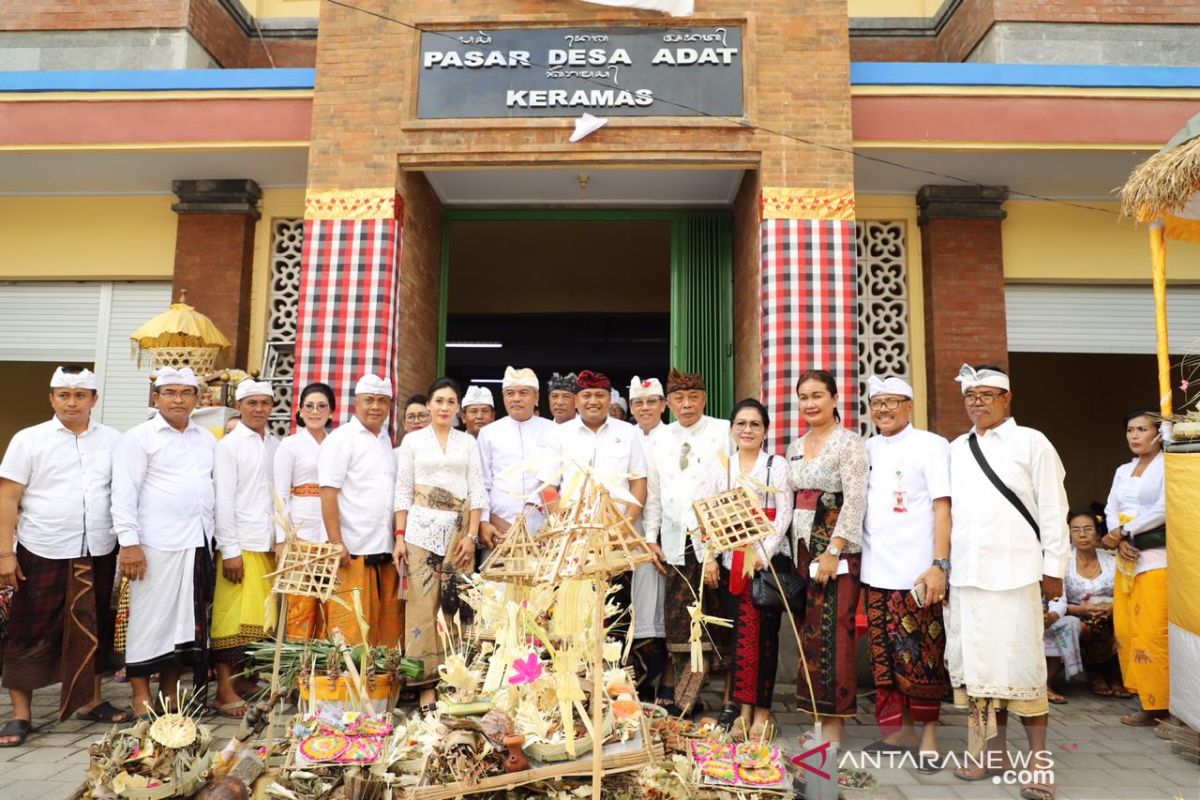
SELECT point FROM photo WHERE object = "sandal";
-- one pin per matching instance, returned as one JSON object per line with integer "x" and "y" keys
{"x": 1099, "y": 687}
{"x": 929, "y": 763}
{"x": 1119, "y": 691}
{"x": 729, "y": 714}
{"x": 105, "y": 712}
{"x": 18, "y": 729}
{"x": 1055, "y": 697}
{"x": 1037, "y": 791}
{"x": 1143, "y": 719}
{"x": 235, "y": 709}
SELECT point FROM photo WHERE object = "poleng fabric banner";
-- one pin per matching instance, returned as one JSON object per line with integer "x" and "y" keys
{"x": 348, "y": 317}
{"x": 676, "y": 8}
{"x": 809, "y": 316}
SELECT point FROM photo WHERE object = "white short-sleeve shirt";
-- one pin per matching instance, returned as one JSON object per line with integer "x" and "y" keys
{"x": 614, "y": 452}
{"x": 65, "y": 510}
{"x": 909, "y": 470}
{"x": 360, "y": 465}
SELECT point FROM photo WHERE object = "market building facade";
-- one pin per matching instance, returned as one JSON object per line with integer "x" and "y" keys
{"x": 865, "y": 187}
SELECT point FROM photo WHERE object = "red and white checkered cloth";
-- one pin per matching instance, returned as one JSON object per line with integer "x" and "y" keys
{"x": 809, "y": 317}
{"x": 349, "y": 305}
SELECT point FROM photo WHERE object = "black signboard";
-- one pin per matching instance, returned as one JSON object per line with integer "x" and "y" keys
{"x": 563, "y": 72}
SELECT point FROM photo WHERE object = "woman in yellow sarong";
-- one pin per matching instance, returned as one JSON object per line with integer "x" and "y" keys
{"x": 1136, "y": 515}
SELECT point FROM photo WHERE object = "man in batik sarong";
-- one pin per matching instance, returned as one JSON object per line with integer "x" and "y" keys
{"x": 60, "y": 558}
{"x": 246, "y": 537}
{"x": 162, "y": 508}
{"x": 1008, "y": 555}
{"x": 905, "y": 565}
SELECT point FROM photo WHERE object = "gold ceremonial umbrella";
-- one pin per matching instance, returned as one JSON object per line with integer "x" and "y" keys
{"x": 1164, "y": 192}
{"x": 179, "y": 337}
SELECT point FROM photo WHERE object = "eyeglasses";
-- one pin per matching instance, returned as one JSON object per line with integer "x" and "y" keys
{"x": 890, "y": 403}
{"x": 1084, "y": 529}
{"x": 981, "y": 398}
{"x": 421, "y": 417}
{"x": 752, "y": 424}
{"x": 684, "y": 452}
{"x": 174, "y": 394}
{"x": 315, "y": 406}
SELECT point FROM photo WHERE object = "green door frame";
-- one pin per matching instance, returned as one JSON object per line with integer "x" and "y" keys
{"x": 677, "y": 220}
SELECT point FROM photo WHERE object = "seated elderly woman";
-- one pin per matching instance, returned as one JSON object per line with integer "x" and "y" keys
{"x": 1079, "y": 625}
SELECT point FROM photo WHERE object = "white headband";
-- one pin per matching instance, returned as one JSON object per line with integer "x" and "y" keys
{"x": 651, "y": 387}
{"x": 169, "y": 376}
{"x": 875, "y": 386}
{"x": 249, "y": 388}
{"x": 372, "y": 384}
{"x": 519, "y": 377}
{"x": 478, "y": 396}
{"x": 969, "y": 377}
{"x": 85, "y": 379}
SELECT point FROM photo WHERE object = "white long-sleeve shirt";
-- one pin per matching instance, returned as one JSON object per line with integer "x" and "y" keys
{"x": 162, "y": 494}
{"x": 991, "y": 544}
{"x": 1143, "y": 498}
{"x": 421, "y": 461}
{"x": 242, "y": 474}
{"x": 296, "y": 465}
{"x": 678, "y": 460}
{"x": 503, "y": 446}
{"x": 718, "y": 479}
{"x": 66, "y": 506}
{"x": 361, "y": 466}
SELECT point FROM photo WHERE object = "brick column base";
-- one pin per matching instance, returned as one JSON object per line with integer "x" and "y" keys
{"x": 214, "y": 254}
{"x": 963, "y": 262}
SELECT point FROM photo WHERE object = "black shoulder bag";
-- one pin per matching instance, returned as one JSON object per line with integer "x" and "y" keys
{"x": 1001, "y": 487}
{"x": 766, "y": 594}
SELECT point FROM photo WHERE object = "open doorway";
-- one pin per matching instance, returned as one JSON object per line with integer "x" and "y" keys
{"x": 564, "y": 291}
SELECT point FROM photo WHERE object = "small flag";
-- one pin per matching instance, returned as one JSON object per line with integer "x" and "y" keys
{"x": 587, "y": 125}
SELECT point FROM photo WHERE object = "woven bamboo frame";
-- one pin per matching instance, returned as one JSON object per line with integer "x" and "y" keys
{"x": 732, "y": 519}
{"x": 517, "y": 559}
{"x": 202, "y": 360}
{"x": 307, "y": 569}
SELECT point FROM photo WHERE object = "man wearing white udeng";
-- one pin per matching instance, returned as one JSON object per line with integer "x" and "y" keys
{"x": 162, "y": 508}
{"x": 1008, "y": 552}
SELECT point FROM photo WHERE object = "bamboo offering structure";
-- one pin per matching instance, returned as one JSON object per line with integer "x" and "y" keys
{"x": 517, "y": 559}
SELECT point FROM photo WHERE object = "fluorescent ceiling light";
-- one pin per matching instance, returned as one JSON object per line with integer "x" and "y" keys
{"x": 477, "y": 345}
{"x": 487, "y": 380}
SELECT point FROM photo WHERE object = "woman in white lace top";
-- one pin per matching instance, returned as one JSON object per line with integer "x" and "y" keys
{"x": 828, "y": 471}
{"x": 439, "y": 497}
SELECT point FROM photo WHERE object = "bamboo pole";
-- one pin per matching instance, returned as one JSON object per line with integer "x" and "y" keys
{"x": 1158, "y": 258}
{"x": 598, "y": 687}
{"x": 812, "y": 696}
{"x": 280, "y": 633}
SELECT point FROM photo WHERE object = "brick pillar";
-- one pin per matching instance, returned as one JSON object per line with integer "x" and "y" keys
{"x": 963, "y": 262}
{"x": 214, "y": 254}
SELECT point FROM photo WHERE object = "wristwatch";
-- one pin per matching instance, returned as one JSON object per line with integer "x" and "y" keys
{"x": 833, "y": 550}
{"x": 944, "y": 563}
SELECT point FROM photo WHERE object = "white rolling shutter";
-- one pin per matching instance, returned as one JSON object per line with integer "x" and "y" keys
{"x": 49, "y": 322}
{"x": 1098, "y": 319}
{"x": 124, "y": 389}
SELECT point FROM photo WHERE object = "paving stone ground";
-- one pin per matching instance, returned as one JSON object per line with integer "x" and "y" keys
{"x": 1096, "y": 757}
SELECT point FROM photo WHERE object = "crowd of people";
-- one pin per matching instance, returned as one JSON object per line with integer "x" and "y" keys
{"x": 974, "y": 576}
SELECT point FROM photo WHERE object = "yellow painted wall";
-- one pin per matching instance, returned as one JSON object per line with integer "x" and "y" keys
{"x": 267, "y": 9}
{"x": 1053, "y": 243}
{"x": 87, "y": 238}
{"x": 904, "y": 207}
{"x": 894, "y": 8}
{"x": 276, "y": 203}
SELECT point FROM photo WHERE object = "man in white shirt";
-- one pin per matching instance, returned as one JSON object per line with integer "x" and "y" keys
{"x": 478, "y": 409}
{"x": 1008, "y": 552}
{"x": 906, "y": 542}
{"x": 55, "y": 479}
{"x": 246, "y": 537}
{"x": 561, "y": 397}
{"x": 648, "y": 585}
{"x": 357, "y": 473}
{"x": 608, "y": 447}
{"x": 162, "y": 508}
{"x": 509, "y": 452}
{"x": 678, "y": 461}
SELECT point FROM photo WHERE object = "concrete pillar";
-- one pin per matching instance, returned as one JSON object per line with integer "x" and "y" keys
{"x": 214, "y": 254}
{"x": 963, "y": 262}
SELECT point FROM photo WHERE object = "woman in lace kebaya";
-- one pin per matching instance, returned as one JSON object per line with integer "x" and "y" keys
{"x": 828, "y": 471}
{"x": 439, "y": 496}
